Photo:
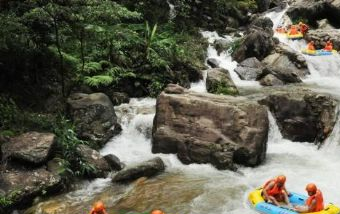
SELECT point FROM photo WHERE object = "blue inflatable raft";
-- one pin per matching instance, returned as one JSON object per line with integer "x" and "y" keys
{"x": 319, "y": 52}
{"x": 257, "y": 202}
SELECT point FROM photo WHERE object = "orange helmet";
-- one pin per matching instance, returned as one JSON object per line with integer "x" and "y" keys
{"x": 281, "y": 179}
{"x": 311, "y": 188}
{"x": 99, "y": 206}
{"x": 157, "y": 212}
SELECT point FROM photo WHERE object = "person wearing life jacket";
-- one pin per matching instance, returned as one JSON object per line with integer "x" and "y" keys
{"x": 315, "y": 201}
{"x": 293, "y": 30}
{"x": 281, "y": 29}
{"x": 274, "y": 191}
{"x": 98, "y": 208}
{"x": 303, "y": 28}
{"x": 157, "y": 212}
{"x": 310, "y": 46}
{"x": 328, "y": 46}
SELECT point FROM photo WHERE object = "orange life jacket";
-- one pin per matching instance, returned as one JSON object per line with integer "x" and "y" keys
{"x": 328, "y": 47}
{"x": 319, "y": 201}
{"x": 310, "y": 46}
{"x": 275, "y": 190}
{"x": 293, "y": 30}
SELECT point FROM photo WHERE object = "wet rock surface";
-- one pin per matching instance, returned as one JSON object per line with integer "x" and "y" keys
{"x": 146, "y": 169}
{"x": 94, "y": 117}
{"x": 31, "y": 148}
{"x": 303, "y": 116}
{"x": 205, "y": 128}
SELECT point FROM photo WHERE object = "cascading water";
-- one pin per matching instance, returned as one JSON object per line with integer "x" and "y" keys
{"x": 225, "y": 61}
{"x": 324, "y": 70}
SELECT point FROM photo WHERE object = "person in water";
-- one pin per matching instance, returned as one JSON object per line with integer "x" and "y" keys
{"x": 311, "y": 46}
{"x": 98, "y": 208}
{"x": 293, "y": 30}
{"x": 274, "y": 191}
{"x": 157, "y": 212}
{"x": 315, "y": 201}
{"x": 328, "y": 46}
{"x": 303, "y": 28}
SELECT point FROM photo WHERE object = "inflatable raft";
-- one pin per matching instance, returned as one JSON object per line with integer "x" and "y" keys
{"x": 295, "y": 36}
{"x": 257, "y": 202}
{"x": 319, "y": 52}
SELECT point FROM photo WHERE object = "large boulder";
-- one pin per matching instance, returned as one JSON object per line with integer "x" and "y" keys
{"x": 263, "y": 23}
{"x": 206, "y": 128}
{"x": 286, "y": 57}
{"x": 93, "y": 158}
{"x": 311, "y": 10}
{"x": 220, "y": 82}
{"x": 249, "y": 69}
{"x": 314, "y": 10}
{"x": 257, "y": 43}
{"x": 30, "y": 148}
{"x": 20, "y": 187}
{"x": 302, "y": 116}
{"x": 94, "y": 117}
{"x": 146, "y": 169}
{"x": 320, "y": 37}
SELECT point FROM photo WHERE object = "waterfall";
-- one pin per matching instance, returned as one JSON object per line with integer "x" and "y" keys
{"x": 225, "y": 61}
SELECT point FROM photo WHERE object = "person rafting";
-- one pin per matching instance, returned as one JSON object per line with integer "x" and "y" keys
{"x": 157, "y": 212}
{"x": 274, "y": 191}
{"x": 281, "y": 29}
{"x": 315, "y": 201}
{"x": 293, "y": 30}
{"x": 311, "y": 46}
{"x": 303, "y": 28}
{"x": 98, "y": 208}
{"x": 328, "y": 46}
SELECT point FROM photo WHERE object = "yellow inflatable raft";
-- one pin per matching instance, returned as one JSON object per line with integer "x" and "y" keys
{"x": 257, "y": 202}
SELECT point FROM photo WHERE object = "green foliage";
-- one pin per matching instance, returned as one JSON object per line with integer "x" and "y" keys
{"x": 233, "y": 46}
{"x": 15, "y": 121}
{"x": 67, "y": 145}
{"x": 99, "y": 43}
{"x": 98, "y": 80}
{"x": 8, "y": 199}
{"x": 223, "y": 88}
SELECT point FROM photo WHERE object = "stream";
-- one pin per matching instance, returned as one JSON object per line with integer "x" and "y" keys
{"x": 200, "y": 188}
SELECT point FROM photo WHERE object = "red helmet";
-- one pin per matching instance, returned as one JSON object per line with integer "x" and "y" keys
{"x": 157, "y": 212}
{"x": 99, "y": 206}
{"x": 311, "y": 188}
{"x": 281, "y": 179}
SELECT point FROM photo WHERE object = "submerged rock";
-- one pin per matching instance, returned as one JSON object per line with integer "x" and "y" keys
{"x": 30, "y": 148}
{"x": 146, "y": 169}
{"x": 206, "y": 128}
{"x": 94, "y": 117}
{"x": 220, "y": 82}
{"x": 302, "y": 116}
